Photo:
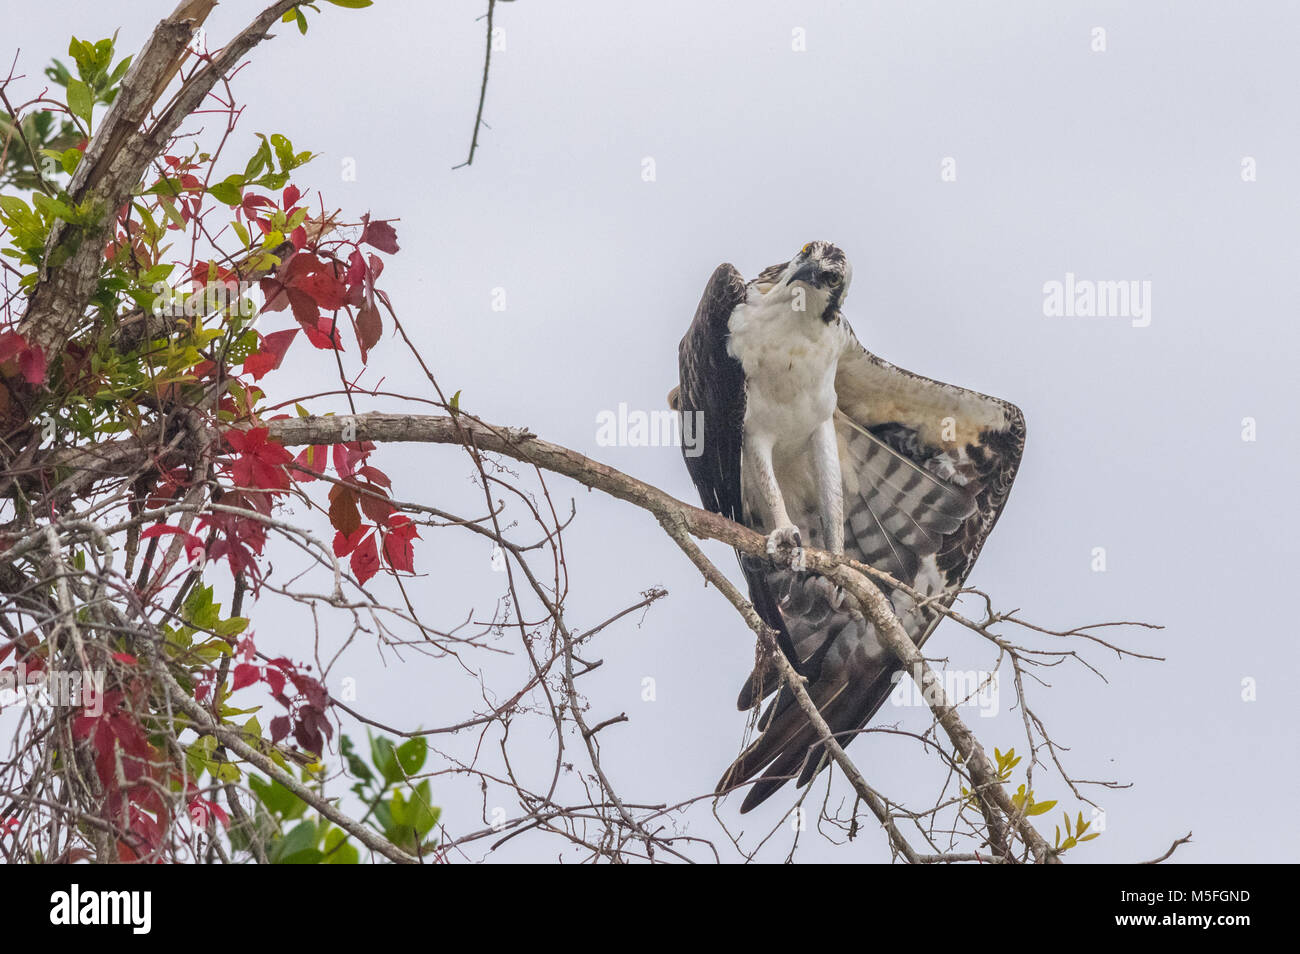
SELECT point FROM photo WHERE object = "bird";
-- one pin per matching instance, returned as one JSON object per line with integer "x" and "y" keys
{"x": 812, "y": 440}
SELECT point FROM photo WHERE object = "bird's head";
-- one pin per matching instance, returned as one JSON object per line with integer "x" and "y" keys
{"x": 823, "y": 272}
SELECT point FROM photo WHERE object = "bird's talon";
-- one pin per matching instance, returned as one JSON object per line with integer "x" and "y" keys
{"x": 834, "y": 595}
{"x": 785, "y": 545}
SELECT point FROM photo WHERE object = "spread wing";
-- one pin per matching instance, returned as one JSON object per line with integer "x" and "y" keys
{"x": 927, "y": 468}
{"x": 713, "y": 386}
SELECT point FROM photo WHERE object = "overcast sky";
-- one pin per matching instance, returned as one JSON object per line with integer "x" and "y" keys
{"x": 1167, "y": 158}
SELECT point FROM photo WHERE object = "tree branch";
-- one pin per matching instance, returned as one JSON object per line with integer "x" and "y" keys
{"x": 116, "y": 160}
{"x": 524, "y": 446}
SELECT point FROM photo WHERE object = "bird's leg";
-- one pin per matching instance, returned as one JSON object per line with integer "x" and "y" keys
{"x": 830, "y": 501}
{"x": 784, "y": 538}
{"x": 830, "y": 485}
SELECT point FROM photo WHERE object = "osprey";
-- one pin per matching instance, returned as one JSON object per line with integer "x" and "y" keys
{"x": 808, "y": 437}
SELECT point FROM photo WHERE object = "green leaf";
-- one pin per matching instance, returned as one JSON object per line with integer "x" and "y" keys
{"x": 198, "y": 754}
{"x": 421, "y": 814}
{"x": 14, "y": 207}
{"x": 276, "y": 798}
{"x": 398, "y": 811}
{"x": 233, "y": 626}
{"x": 81, "y": 101}
{"x": 1041, "y": 808}
{"x": 412, "y": 753}
{"x": 298, "y": 847}
{"x": 352, "y": 4}
{"x": 119, "y": 71}
{"x": 173, "y": 216}
{"x": 283, "y": 151}
{"x": 58, "y": 73}
{"x": 70, "y": 159}
{"x": 167, "y": 185}
{"x": 384, "y": 757}
{"x": 273, "y": 180}
{"x": 199, "y": 610}
{"x": 338, "y": 850}
{"x": 302, "y": 21}
{"x": 227, "y": 192}
{"x": 261, "y": 159}
{"x": 52, "y": 208}
{"x": 383, "y": 817}
{"x": 356, "y": 765}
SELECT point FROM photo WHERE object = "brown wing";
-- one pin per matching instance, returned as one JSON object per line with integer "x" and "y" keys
{"x": 927, "y": 469}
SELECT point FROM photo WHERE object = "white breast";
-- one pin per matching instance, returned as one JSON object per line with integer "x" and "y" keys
{"x": 789, "y": 358}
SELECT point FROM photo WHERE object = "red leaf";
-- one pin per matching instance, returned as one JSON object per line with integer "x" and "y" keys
{"x": 377, "y": 509}
{"x": 260, "y": 464}
{"x": 369, "y": 328}
{"x": 324, "y": 288}
{"x": 304, "y": 307}
{"x": 11, "y": 344}
{"x": 342, "y": 461}
{"x": 252, "y": 202}
{"x": 32, "y": 363}
{"x": 314, "y": 457}
{"x": 194, "y": 547}
{"x": 279, "y": 728}
{"x": 344, "y": 516}
{"x": 324, "y": 335}
{"x": 376, "y": 476}
{"x": 270, "y": 353}
{"x": 277, "y": 297}
{"x": 274, "y": 680}
{"x": 290, "y": 196}
{"x": 365, "y": 559}
{"x": 398, "y": 549}
{"x": 345, "y": 543}
{"x": 381, "y": 235}
{"x": 347, "y": 456}
{"x": 202, "y": 811}
{"x": 356, "y": 267}
{"x": 245, "y": 675}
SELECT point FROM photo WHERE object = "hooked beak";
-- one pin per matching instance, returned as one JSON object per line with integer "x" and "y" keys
{"x": 807, "y": 272}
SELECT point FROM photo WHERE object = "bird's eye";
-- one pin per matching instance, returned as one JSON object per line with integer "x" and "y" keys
{"x": 833, "y": 278}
